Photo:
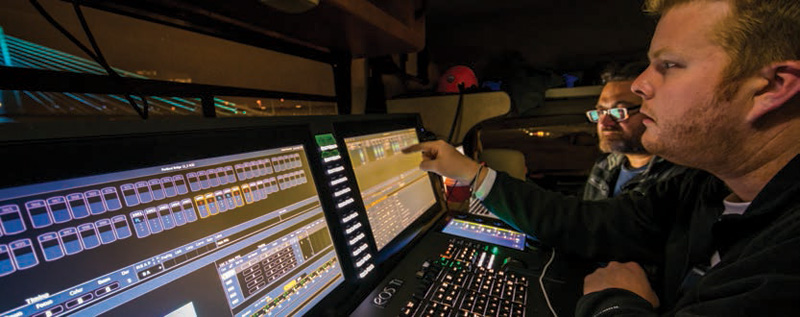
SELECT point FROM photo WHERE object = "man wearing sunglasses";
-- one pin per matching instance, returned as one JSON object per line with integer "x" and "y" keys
{"x": 626, "y": 165}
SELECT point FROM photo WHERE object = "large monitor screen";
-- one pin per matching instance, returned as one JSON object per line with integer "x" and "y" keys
{"x": 394, "y": 190}
{"x": 239, "y": 234}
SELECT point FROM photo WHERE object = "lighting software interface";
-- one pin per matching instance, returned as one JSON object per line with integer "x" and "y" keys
{"x": 236, "y": 235}
{"x": 394, "y": 190}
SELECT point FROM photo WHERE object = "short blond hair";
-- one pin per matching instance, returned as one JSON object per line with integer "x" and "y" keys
{"x": 756, "y": 34}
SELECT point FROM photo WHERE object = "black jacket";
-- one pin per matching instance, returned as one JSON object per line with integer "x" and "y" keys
{"x": 604, "y": 174}
{"x": 675, "y": 225}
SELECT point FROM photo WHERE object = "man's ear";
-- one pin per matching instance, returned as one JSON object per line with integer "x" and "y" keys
{"x": 783, "y": 83}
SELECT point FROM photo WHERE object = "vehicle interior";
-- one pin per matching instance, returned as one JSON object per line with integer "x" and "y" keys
{"x": 243, "y": 157}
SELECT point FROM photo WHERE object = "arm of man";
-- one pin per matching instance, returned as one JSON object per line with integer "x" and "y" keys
{"x": 627, "y": 228}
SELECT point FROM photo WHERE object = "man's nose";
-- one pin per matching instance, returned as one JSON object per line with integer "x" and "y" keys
{"x": 606, "y": 120}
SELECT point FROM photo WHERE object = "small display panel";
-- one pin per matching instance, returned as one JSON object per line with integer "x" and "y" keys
{"x": 486, "y": 233}
{"x": 394, "y": 190}
{"x": 222, "y": 235}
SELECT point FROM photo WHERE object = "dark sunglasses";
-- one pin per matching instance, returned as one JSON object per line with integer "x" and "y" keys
{"x": 617, "y": 114}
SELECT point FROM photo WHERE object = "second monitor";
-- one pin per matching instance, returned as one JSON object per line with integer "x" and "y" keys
{"x": 394, "y": 190}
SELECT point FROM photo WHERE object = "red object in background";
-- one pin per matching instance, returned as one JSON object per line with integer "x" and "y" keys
{"x": 456, "y": 193}
{"x": 456, "y": 75}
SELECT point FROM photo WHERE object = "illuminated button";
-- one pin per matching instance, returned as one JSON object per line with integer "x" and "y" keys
{"x": 70, "y": 241}
{"x": 50, "y": 246}
{"x": 188, "y": 210}
{"x": 229, "y": 174}
{"x": 338, "y": 181}
{"x": 107, "y": 289}
{"x": 167, "y": 221}
{"x": 267, "y": 164}
{"x": 153, "y": 220}
{"x": 237, "y": 196}
{"x": 222, "y": 205}
{"x": 363, "y": 260}
{"x": 58, "y": 209}
{"x": 129, "y": 194}
{"x": 240, "y": 172}
{"x": 180, "y": 184}
{"x": 111, "y": 198}
{"x": 332, "y": 158}
{"x": 342, "y": 192}
{"x": 203, "y": 178}
{"x": 194, "y": 182}
{"x": 353, "y": 228}
{"x": 39, "y": 213}
{"x": 248, "y": 170}
{"x": 140, "y": 223}
{"x": 169, "y": 187}
{"x": 157, "y": 189}
{"x": 121, "y": 228}
{"x": 246, "y": 192}
{"x": 335, "y": 170}
{"x": 78, "y": 207}
{"x": 263, "y": 187}
{"x": 363, "y": 247}
{"x": 213, "y": 181}
{"x": 22, "y": 251}
{"x": 254, "y": 192}
{"x": 211, "y": 204}
{"x": 328, "y": 147}
{"x": 357, "y": 238}
{"x": 145, "y": 196}
{"x": 88, "y": 235}
{"x": 105, "y": 231}
{"x": 11, "y": 220}
{"x": 6, "y": 264}
{"x": 177, "y": 213}
{"x": 79, "y": 301}
{"x": 345, "y": 203}
{"x": 349, "y": 217}
{"x": 262, "y": 168}
{"x": 52, "y": 311}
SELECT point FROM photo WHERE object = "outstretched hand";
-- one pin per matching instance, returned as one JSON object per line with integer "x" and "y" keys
{"x": 628, "y": 276}
{"x": 443, "y": 159}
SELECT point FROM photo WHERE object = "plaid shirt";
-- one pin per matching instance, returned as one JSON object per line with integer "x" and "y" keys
{"x": 605, "y": 172}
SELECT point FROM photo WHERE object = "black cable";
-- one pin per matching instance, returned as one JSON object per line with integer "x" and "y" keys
{"x": 99, "y": 55}
{"x": 457, "y": 117}
{"x": 96, "y": 55}
{"x": 102, "y": 60}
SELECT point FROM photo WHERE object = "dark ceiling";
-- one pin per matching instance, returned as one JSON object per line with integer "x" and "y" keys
{"x": 552, "y": 35}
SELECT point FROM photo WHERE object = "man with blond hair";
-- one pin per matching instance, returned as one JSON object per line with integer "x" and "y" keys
{"x": 721, "y": 95}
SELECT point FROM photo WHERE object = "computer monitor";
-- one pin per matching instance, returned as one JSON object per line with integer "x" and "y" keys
{"x": 206, "y": 223}
{"x": 394, "y": 190}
